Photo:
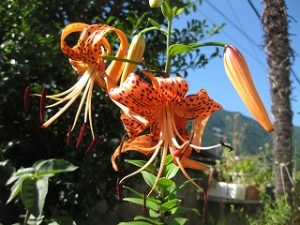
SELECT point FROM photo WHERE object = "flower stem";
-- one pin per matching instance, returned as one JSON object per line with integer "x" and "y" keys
{"x": 26, "y": 218}
{"x": 107, "y": 57}
{"x": 168, "y": 58}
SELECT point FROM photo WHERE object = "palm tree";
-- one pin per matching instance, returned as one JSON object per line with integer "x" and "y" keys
{"x": 277, "y": 47}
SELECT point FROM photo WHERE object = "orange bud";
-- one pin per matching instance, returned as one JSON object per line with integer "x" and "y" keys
{"x": 135, "y": 53}
{"x": 239, "y": 75}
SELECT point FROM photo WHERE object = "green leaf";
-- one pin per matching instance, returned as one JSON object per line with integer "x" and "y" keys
{"x": 177, "y": 11}
{"x": 154, "y": 23}
{"x": 182, "y": 209}
{"x": 15, "y": 189}
{"x": 170, "y": 204}
{"x": 150, "y": 179}
{"x": 35, "y": 220}
{"x": 180, "y": 48}
{"x": 140, "y": 163}
{"x": 177, "y": 221}
{"x": 171, "y": 171}
{"x": 169, "y": 159}
{"x": 139, "y": 201}
{"x": 53, "y": 166}
{"x": 134, "y": 223}
{"x": 145, "y": 219}
{"x": 153, "y": 213}
{"x": 139, "y": 195}
{"x": 26, "y": 172}
{"x": 166, "y": 184}
{"x": 166, "y": 10}
{"x": 33, "y": 194}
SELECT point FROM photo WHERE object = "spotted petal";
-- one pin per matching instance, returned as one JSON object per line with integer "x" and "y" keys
{"x": 196, "y": 106}
{"x": 132, "y": 126}
{"x": 137, "y": 95}
{"x": 172, "y": 89}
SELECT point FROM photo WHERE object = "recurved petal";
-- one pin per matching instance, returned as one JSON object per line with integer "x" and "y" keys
{"x": 137, "y": 95}
{"x": 196, "y": 106}
{"x": 172, "y": 89}
{"x": 141, "y": 144}
{"x": 198, "y": 127}
{"x": 132, "y": 126}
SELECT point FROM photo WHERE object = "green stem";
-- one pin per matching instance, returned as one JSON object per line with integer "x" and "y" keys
{"x": 26, "y": 217}
{"x": 107, "y": 57}
{"x": 148, "y": 29}
{"x": 168, "y": 57}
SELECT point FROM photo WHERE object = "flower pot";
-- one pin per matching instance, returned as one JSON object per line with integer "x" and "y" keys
{"x": 227, "y": 191}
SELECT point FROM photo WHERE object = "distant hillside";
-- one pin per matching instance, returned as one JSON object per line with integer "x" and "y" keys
{"x": 243, "y": 133}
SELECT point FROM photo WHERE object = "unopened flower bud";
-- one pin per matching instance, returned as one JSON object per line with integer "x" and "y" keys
{"x": 239, "y": 75}
{"x": 154, "y": 3}
{"x": 135, "y": 53}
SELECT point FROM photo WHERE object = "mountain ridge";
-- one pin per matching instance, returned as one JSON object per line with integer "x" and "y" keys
{"x": 243, "y": 133}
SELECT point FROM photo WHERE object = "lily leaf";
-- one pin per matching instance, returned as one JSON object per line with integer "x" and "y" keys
{"x": 140, "y": 163}
{"x": 170, "y": 205}
{"x": 171, "y": 171}
{"x": 177, "y": 221}
{"x": 167, "y": 185}
{"x": 177, "y": 11}
{"x": 181, "y": 48}
{"x": 33, "y": 195}
{"x": 150, "y": 179}
{"x": 16, "y": 188}
{"x": 141, "y": 196}
{"x": 154, "y": 23}
{"x": 26, "y": 172}
{"x": 135, "y": 223}
{"x": 139, "y": 201}
{"x": 182, "y": 209}
{"x": 53, "y": 166}
{"x": 145, "y": 219}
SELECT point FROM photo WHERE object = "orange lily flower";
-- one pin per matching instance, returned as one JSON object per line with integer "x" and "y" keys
{"x": 239, "y": 75}
{"x": 85, "y": 58}
{"x": 166, "y": 107}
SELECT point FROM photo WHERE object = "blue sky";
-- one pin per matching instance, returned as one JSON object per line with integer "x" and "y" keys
{"x": 213, "y": 77}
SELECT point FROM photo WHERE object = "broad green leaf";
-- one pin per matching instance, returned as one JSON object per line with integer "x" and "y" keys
{"x": 154, "y": 23}
{"x": 139, "y": 195}
{"x": 177, "y": 11}
{"x": 166, "y": 184}
{"x": 15, "y": 189}
{"x": 141, "y": 163}
{"x": 169, "y": 159}
{"x": 150, "y": 179}
{"x": 53, "y": 223}
{"x": 180, "y": 48}
{"x": 170, "y": 204}
{"x": 33, "y": 194}
{"x": 26, "y": 172}
{"x": 53, "y": 166}
{"x": 177, "y": 221}
{"x": 181, "y": 209}
{"x": 134, "y": 223}
{"x": 145, "y": 219}
{"x": 153, "y": 213}
{"x": 171, "y": 171}
{"x": 35, "y": 220}
{"x": 139, "y": 201}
